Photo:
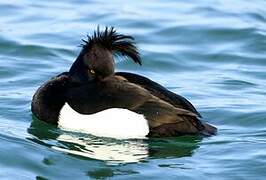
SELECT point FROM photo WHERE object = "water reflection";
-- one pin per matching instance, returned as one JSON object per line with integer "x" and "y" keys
{"x": 126, "y": 151}
{"x": 111, "y": 150}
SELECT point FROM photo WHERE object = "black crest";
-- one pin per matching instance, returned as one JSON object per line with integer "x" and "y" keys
{"x": 119, "y": 44}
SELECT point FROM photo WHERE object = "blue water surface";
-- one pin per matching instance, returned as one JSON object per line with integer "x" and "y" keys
{"x": 213, "y": 52}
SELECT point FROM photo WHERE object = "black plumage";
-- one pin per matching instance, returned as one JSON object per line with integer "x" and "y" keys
{"x": 91, "y": 85}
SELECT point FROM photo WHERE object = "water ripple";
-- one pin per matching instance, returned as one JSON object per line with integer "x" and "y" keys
{"x": 211, "y": 52}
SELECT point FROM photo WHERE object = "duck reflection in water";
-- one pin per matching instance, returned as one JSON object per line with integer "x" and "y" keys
{"x": 109, "y": 149}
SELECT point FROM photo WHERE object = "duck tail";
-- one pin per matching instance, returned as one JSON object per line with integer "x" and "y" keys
{"x": 208, "y": 130}
{"x": 118, "y": 44}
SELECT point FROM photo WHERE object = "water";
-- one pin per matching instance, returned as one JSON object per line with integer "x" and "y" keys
{"x": 211, "y": 52}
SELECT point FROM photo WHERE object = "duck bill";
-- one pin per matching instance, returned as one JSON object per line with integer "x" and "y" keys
{"x": 79, "y": 73}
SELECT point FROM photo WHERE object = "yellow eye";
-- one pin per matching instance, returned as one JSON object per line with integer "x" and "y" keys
{"x": 92, "y": 71}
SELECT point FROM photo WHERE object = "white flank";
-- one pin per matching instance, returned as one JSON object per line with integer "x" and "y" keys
{"x": 114, "y": 122}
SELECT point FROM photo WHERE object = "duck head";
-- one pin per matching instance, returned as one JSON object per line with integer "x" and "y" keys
{"x": 96, "y": 59}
